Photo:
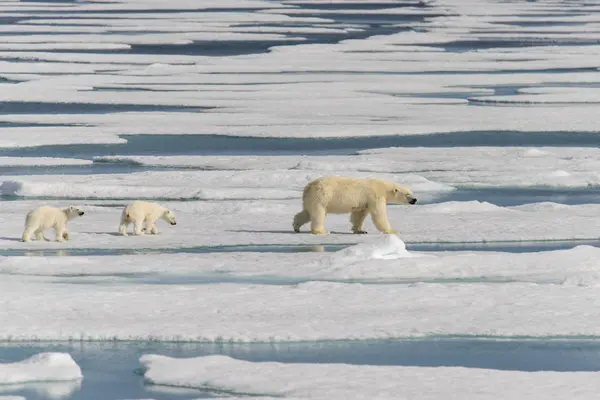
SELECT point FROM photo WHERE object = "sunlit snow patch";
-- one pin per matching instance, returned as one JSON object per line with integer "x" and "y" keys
{"x": 385, "y": 248}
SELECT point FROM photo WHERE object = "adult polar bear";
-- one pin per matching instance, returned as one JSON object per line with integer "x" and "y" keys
{"x": 358, "y": 196}
{"x": 140, "y": 212}
{"x": 45, "y": 217}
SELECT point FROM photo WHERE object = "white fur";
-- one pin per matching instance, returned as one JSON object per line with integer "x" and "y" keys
{"x": 360, "y": 197}
{"x": 140, "y": 212}
{"x": 46, "y": 217}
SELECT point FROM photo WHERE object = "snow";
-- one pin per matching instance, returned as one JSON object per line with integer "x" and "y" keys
{"x": 40, "y": 161}
{"x": 340, "y": 381}
{"x": 391, "y": 247}
{"x": 43, "y": 367}
{"x": 307, "y": 296}
{"x": 72, "y": 309}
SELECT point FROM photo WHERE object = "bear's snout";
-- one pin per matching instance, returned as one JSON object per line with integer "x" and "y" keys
{"x": 81, "y": 213}
{"x": 173, "y": 223}
{"x": 412, "y": 201}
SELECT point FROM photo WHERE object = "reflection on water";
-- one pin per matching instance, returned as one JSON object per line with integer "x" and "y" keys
{"x": 503, "y": 246}
{"x": 44, "y": 390}
{"x": 266, "y": 248}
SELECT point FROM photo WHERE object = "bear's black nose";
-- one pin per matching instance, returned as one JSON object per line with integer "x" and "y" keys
{"x": 173, "y": 223}
{"x": 81, "y": 213}
{"x": 413, "y": 201}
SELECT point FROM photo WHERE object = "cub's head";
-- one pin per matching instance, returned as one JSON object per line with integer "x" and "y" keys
{"x": 402, "y": 194}
{"x": 73, "y": 212}
{"x": 170, "y": 217}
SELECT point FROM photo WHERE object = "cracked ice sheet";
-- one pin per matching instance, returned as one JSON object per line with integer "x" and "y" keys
{"x": 236, "y": 222}
{"x": 56, "y": 310}
{"x": 262, "y": 109}
{"x": 382, "y": 259}
{"x": 341, "y": 381}
{"x": 454, "y": 166}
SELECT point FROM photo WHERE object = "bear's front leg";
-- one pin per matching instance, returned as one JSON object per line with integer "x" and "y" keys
{"x": 151, "y": 226}
{"x": 379, "y": 217}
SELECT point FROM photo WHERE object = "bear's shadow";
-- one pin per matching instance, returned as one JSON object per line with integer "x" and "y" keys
{"x": 12, "y": 239}
{"x": 288, "y": 232}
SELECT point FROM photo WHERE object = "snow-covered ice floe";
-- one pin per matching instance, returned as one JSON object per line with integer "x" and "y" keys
{"x": 478, "y": 294}
{"x": 341, "y": 381}
{"x": 383, "y": 260}
{"x": 456, "y": 166}
{"x": 43, "y": 367}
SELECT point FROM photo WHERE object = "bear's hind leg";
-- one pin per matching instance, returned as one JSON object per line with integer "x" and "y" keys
{"x": 124, "y": 223}
{"x": 300, "y": 219}
{"x": 138, "y": 226}
{"x": 357, "y": 218}
{"x": 123, "y": 228}
{"x": 317, "y": 221}
{"x": 26, "y": 237}
{"x": 39, "y": 235}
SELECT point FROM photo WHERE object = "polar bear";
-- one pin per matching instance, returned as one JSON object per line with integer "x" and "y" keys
{"x": 46, "y": 217}
{"x": 139, "y": 212}
{"x": 340, "y": 195}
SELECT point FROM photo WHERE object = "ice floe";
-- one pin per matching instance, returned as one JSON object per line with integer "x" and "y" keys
{"x": 340, "y": 381}
{"x": 303, "y": 296}
{"x": 384, "y": 260}
{"x": 43, "y": 367}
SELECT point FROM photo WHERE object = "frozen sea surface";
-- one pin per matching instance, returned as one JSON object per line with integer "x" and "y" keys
{"x": 223, "y": 111}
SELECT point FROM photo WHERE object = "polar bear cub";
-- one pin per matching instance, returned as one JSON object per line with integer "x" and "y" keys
{"x": 140, "y": 212}
{"x": 357, "y": 196}
{"x": 45, "y": 217}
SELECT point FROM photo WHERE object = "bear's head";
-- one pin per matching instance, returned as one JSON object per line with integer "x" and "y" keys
{"x": 73, "y": 212}
{"x": 169, "y": 217}
{"x": 402, "y": 194}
